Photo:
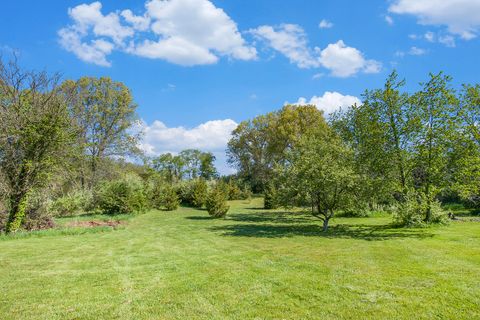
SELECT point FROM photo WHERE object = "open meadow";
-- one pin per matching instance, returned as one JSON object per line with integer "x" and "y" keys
{"x": 255, "y": 264}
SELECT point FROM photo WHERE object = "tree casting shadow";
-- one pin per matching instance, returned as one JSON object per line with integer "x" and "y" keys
{"x": 356, "y": 231}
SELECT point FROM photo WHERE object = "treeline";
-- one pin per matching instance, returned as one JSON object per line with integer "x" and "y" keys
{"x": 403, "y": 152}
{"x": 63, "y": 151}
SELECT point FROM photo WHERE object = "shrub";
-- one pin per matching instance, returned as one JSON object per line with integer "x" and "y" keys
{"x": 169, "y": 199}
{"x": 199, "y": 192}
{"x": 270, "y": 197}
{"x": 185, "y": 192}
{"x": 234, "y": 192}
{"x": 121, "y": 196}
{"x": 411, "y": 212}
{"x": 216, "y": 204}
{"x": 71, "y": 203}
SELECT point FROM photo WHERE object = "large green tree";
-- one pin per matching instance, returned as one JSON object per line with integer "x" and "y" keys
{"x": 35, "y": 134}
{"x": 104, "y": 114}
{"x": 434, "y": 128}
{"x": 259, "y": 144}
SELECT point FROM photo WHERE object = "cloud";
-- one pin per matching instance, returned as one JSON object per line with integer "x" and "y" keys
{"x": 445, "y": 39}
{"x": 209, "y": 136}
{"x": 94, "y": 51}
{"x": 184, "y": 32}
{"x": 141, "y": 23}
{"x": 330, "y": 101}
{"x": 389, "y": 20}
{"x": 414, "y": 51}
{"x": 291, "y": 40}
{"x": 325, "y": 24}
{"x": 459, "y": 16}
{"x": 344, "y": 61}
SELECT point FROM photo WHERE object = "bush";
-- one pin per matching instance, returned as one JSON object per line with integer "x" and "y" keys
{"x": 234, "y": 192}
{"x": 270, "y": 197}
{"x": 71, "y": 204}
{"x": 121, "y": 196}
{"x": 411, "y": 212}
{"x": 216, "y": 204}
{"x": 169, "y": 199}
{"x": 199, "y": 192}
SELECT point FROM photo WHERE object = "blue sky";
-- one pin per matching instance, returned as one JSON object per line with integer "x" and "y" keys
{"x": 198, "y": 67}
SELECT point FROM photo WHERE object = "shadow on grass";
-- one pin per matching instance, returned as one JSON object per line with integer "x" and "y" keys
{"x": 357, "y": 231}
{"x": 199, "y": 218}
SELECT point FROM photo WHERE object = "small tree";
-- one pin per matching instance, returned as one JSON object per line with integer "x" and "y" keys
{"x": 319, "y": 173}
{"x": 199, "y": 193}
{"x": 270, "y": 200}
{"x": 169, "y": 198}
{"x": 216, "y": 204}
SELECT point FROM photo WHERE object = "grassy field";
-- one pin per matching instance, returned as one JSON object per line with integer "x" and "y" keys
{"x": 252, "y": 265}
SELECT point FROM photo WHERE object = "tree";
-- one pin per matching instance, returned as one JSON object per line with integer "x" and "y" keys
{"x": 207, "y": 166}
{"x": 257, "y": 145}
{"x": 379, "y": 132}
{"x": 319, "y": 173}
{"x": 104, "y": 112}
{"x": 216, "y": 203}
{"x": 35, "y": 133}
{"x": 198, "y": 164}
{"x": 199, "y": 193}
{"x": 434, "y": 127}
{"x": 170, "y": 166}
{"x": 464, "y": 162}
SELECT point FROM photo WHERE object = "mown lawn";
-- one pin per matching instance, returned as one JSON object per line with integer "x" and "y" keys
{"x": 252, "y": 265}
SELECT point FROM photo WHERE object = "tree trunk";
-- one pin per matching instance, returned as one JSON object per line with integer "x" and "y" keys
{"x": 18, "y": 203}
{"x": 325, "y": 224}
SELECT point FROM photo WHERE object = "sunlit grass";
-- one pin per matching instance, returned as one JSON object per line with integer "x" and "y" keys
{"x": 252, "y": 265}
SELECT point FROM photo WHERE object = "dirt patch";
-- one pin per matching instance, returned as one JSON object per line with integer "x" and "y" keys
{"x": 90, "y": 224}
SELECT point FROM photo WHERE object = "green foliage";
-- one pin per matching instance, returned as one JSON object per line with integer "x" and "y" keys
{"x": 411, "y": 212}
{"x": 270, "y": 197}
{"x": 319, "y": 173}
{"x": 71, "y": 203}
{"x": 216, "y": 204}
{"x": 35, "y": 134}
{"x": 169, "y": 199}
{"x": 257, "y": 144}
{"x": 103, "y": 112}
{"x": 199, "y": 193}
{"x": 121, "y": 196}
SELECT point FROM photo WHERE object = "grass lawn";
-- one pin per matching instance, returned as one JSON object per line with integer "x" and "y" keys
{"x": 252, "y": 265}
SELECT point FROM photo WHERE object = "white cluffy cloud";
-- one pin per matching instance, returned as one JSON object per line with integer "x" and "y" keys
{"x": 167, "y": 30}
{"x": 209, "y": 136}
{"x": 461, "y": 17}
{"x": 330, "y": 101}
{"x": 291, "y": 41}
{"x": 325, "y": 24}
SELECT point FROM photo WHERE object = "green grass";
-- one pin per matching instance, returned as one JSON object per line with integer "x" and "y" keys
{"x": 252, "y": 265}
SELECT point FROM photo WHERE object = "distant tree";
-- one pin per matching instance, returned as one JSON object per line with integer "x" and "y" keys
{"x": 259, "y": 144}
{"x": 104, "y": 114}
{"x": 35, "y": 133}
{"x": 170, "y": 166}
{"x": 207, "y": 166}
